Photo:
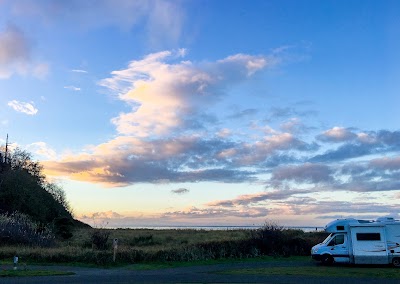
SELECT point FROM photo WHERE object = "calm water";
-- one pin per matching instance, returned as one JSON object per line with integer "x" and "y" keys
{"x": 305, "y": 229}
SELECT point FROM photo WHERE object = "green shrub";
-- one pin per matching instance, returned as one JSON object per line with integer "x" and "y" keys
{"x": 144, "y": 241}
{"x": 99, "y": 238}
{"x": 273, "y": 239}
{"x": 63, "y": 227}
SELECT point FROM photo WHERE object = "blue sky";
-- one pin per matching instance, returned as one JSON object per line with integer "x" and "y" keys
{"x": 207, "y": 112}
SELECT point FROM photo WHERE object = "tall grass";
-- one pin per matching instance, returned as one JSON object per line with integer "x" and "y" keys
{"x": 17, "y": 228}
{"x": 145, "y": 245}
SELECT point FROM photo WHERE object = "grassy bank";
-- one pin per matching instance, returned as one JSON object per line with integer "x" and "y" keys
{"x": 144, "y": 245}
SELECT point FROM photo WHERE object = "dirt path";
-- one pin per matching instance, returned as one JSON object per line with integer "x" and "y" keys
{"x": 194, "y": 274}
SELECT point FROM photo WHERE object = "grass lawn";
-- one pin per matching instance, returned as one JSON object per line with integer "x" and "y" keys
{"x": 322, "y": 271}
{"x": 24, "y": 273}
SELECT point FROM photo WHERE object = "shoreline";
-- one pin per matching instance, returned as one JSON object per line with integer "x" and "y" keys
{"x": 218, "y": 228}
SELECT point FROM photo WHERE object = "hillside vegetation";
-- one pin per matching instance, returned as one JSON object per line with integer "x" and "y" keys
{"x": 29, "y": 201}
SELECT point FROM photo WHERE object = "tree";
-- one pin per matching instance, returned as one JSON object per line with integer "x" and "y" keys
{"x": 22, "y": 160}
{"x": 24, "y": 189}
{"x": 59, "y": 195}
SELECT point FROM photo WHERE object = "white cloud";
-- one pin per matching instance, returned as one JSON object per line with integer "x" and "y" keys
{"x": 367, "y": 138}
{"x": 42, "y": 149}
{"x": 251, "y": 63}
{"x": 23, "y": 107}
{"x": 72, "y": 88}
{"x": 223, "y": 133}
{"x": 163, "y": 94}
{"x": 337, "y": 134}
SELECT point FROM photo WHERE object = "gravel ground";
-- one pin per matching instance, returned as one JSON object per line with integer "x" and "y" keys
{"x": 194, "y": 274}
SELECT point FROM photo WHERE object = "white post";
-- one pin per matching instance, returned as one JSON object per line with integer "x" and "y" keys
{"x": 15, "y": 262}
{"x": 115, "y": 247}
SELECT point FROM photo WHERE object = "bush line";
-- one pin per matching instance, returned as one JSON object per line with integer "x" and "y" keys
{"x": 95, "y": 246}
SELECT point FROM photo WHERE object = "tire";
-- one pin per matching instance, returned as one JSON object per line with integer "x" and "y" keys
{"x": 327, "y": 259}
{"x": 396, "y": 262}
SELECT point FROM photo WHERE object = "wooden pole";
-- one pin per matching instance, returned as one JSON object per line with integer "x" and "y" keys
{"x": 5, "y": 158}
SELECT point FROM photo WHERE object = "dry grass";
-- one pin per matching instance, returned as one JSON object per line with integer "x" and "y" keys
{"x": 145, "y": 245}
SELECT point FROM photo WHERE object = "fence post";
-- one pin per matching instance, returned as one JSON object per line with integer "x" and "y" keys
{"x": 15, "y": 261}
{"x": 115, "y": 247}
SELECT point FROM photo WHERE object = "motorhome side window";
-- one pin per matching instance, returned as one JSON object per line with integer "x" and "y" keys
{"x": 337, "y": 240}
{"x": 368, "y": 236}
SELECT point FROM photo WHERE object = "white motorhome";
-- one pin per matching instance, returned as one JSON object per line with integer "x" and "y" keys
{"x": 360, "y": 242}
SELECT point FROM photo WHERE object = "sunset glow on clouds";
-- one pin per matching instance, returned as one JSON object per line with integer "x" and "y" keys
{"x": 157, "y": 114}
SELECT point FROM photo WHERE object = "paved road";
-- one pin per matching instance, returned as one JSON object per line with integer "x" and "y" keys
{"x": 195, "y": 274}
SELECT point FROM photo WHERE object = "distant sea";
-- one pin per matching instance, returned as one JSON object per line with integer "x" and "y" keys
{"x": 209, "y": 228}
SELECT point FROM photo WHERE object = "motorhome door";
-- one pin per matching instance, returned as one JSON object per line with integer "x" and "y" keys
{"x": 369, "y": 245}
{"x": 339, "y": 248}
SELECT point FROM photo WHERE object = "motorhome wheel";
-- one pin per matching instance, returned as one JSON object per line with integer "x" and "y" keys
{"x": 396, "y": 262}
{"x": 327, "y": 259}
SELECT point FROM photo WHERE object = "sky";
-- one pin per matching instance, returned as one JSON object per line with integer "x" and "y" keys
{"x": 186, "y": 113}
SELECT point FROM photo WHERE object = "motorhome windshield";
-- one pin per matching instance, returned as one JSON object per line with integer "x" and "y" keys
{"x": 327, "y": 239}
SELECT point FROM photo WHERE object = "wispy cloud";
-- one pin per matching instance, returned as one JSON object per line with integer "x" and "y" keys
{"x": 16, "y": 55}
{"x": 14, "y": 52}
{"x": 27, "y": 108}
{"x": 244, "y": 113}
{"x": 41, "y": 70}
{"x": 42, "y": 150}
{"x": 258, "y": 197}
{"x": 180, "y": 191}
{"x": 209, "y": 213}
{"x": 72, "y": 88}
{"x": 102, "y": 215}
{"x": 79, "y": 71}
{"x": 163, "y": 20}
